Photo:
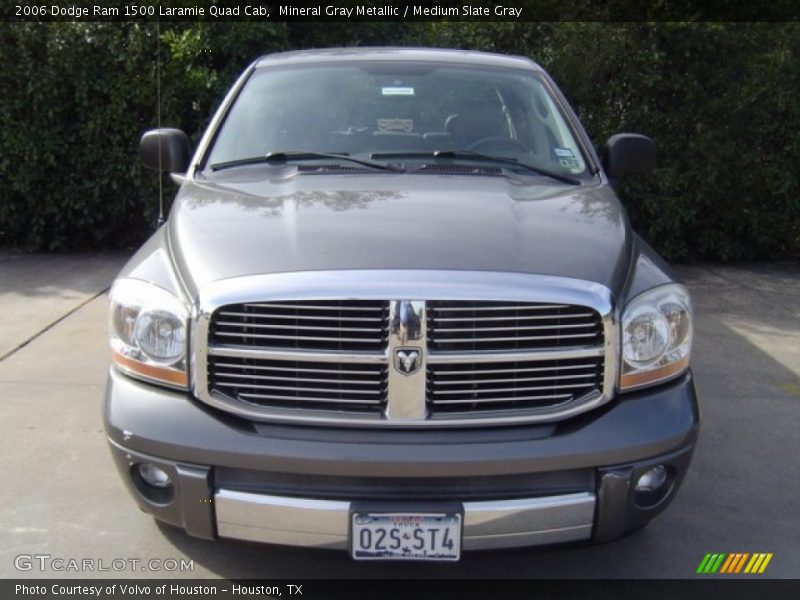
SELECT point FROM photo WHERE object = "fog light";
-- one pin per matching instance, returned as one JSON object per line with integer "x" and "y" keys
{"x": 652, "y": 480}
{"x": 155, "y": 476}
{"x": 653, "y": 486}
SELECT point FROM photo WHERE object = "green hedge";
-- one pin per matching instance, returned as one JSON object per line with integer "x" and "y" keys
{"x": 719, "y": 98}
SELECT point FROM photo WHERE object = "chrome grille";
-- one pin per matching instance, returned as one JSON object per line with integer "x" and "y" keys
{"x": 300, "y": 384}
{"x": 516, "y": 385}
{"x": 344, "y": 325}
{"x": 272, "y": 348}
{"x": 456, "y": 326}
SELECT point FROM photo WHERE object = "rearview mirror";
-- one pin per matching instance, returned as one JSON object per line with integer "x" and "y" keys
{"x": 629, "y": 154}
{"x": 166, "y": 150}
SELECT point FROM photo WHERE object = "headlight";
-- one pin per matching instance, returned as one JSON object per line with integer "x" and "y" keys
{"x": 656, "y": 336}
{"x": 148, "y": 332}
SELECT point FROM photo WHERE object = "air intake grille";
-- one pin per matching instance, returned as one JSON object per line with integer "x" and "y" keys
{"x": 299, "y": 384}
{"x": 328, "y": 168}
{"x": 344, "y": 325}
{"x": 456, "y": 326}
{"x": 348, "y": 362}
{"x": 443, "y": 169}
{"x": 518, "y": 385}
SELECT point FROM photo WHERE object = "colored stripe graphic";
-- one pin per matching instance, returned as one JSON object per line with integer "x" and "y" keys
{"x": 714, "y": 563}
{"x": 718, "y": 564}
{"x": 741, "y": 562}
{"x": 758, "y": 563}
{"x": 734, "y": 563}
{"x": 703, "y": 563}
{"x": 730, "y": 563}
{"x": 765, "y": 563}
{"x": 757, "y": 558}
{"x": 708, "y": 563}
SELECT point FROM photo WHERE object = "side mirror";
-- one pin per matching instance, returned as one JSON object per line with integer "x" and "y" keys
{"x": 165, "y": 150}
{"x": 629, "y": 154}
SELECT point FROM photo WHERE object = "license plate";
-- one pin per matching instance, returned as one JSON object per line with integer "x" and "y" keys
{"x": 406, "y": 536}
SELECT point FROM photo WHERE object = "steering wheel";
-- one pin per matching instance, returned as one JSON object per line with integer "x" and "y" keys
{"x": 499, "y": 143}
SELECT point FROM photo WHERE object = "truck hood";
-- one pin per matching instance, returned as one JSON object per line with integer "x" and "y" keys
{"x": 253, "y": 221}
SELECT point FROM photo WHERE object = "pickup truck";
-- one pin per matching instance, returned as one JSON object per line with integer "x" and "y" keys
{"x": 397, "y": 309}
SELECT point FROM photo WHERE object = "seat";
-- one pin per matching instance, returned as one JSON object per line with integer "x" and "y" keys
{"x": 475, "y": 121}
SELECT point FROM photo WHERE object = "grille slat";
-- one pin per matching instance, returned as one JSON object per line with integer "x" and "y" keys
{"x": 515, "y": 388}
{"x": 316, "y": 317}
{"x": 299, "y": 338}
{"x": 300, "y": 379}
{"x": 519, "y": 318}
{"x": 470, "y": 306}
{"x": 295, "y": 388}
{"x": 292, "y": 327}
{"x": 517, "y": 328}
{"x": 492, "y": 371}
{"x": 309, "y": 306}
{"x": 306, "y": 399}
{"x": 298, "y": 370}
{"x": 560, "y": 397}
{"x": 512, "y": 380}
{"x": 521, "y": 338}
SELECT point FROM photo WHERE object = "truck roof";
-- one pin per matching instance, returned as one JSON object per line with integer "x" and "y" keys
{"x": 440, "y": 55}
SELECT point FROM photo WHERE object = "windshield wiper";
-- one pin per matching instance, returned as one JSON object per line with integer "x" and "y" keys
{"x": 282, "y": 157}
{"x": 469, "y": 155}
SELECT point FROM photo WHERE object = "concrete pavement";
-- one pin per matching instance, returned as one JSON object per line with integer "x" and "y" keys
{"x": 62, "y": 496}
{"x": 38, "y": 290}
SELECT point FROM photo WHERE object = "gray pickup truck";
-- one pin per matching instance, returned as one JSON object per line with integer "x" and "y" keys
{"x": 398, "y": 309}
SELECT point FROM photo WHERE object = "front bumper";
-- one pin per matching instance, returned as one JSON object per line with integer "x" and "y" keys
{"x": 325, "y": 523}
{"x": 517, "y": 486}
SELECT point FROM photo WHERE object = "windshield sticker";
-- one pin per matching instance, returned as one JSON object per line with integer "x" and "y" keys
{"x": 397, "y": 91}
{"x": 564, "y": 152}
{"x": 569, "y": 163}
{"x": 566, "y": 158}
{"x": 396, "y": 124}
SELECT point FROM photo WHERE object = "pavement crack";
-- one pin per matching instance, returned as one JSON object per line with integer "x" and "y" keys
{"x": 45, "y": 383}
{"x": 53, "y": 324}
{"x": 752, "y": 288}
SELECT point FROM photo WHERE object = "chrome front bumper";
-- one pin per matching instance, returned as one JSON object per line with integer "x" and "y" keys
{"x": 324, "y": 523}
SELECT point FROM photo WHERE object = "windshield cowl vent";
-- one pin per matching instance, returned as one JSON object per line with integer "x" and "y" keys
{"x": 328, "y": 168}
{"x": 459, "y": 170}
{"x": 479, "y": 170}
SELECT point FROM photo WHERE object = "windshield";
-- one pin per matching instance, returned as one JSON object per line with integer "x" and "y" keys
{"x": 385, "y": 108}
